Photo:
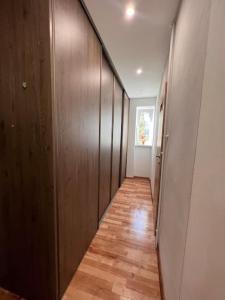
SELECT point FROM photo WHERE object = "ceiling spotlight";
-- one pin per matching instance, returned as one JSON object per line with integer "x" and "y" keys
{"x": 130, "y": 11}
{"x": 139, "y": 71}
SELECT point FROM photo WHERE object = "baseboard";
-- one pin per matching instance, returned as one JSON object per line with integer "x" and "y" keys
{"x": 141, "y": 177}
{"x": 160, "y": 276}
{"x": 105, "y": 212}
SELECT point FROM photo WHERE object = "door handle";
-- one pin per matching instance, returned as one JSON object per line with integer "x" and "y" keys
{"x": 159, "y": 155}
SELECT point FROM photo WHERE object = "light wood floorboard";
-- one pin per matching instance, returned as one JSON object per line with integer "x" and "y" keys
{"x": 121, "y": 262}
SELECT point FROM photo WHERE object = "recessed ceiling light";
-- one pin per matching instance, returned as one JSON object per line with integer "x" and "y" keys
{"x": 130, "y": 11}
{"x": 139, "y": 71}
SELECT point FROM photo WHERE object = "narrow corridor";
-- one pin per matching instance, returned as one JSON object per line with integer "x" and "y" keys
{"x": 121, "y": 262}
{"x": 98, "y": 100}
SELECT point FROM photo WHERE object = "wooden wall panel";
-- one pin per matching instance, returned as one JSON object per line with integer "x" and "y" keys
{"x": 27, "y": 229}
{"x": 116, "y": 147}
{"x": 126, "y": 103}
{"x": 77, "y": 102}
{"x": 50, "y": 85}
{"x": 107, "y": 83}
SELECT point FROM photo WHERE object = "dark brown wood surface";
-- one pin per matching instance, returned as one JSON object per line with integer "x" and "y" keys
{"x": 116, "y": 147}
{"x": 27, "y": 229}
{"x": 107, "y": 82}
{"x": 126, "y": 103}
{"x": 49, "y": 143}
{"x": 77, "y": 102}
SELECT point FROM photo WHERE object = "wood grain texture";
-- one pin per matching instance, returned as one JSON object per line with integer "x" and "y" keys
{"x": 27, "y": 229}
{"x": 121, "y": 262}
{"x": 105, "y": 136}
{"x": 77, "y": 102}
{"x": 126, "y": 104}
{"x": 116, "y": 147}
{"x": 49, "y": 143}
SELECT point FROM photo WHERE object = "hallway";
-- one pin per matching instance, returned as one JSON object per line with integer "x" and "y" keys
{"x": 121, "y": 262}
{"x": 112, "y": 121}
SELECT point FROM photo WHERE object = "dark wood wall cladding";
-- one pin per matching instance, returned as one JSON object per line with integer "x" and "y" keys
{"x": 50, "y": 88}
{"x": 126, "y": 103}
{"x": 27, "y": 210}
{"x": 116, "y": 147}
{"x": 77, "y": 101}
{"x": 107, "y": 82}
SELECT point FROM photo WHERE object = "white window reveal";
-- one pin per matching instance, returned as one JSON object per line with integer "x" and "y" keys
{"x": 144, "y": 125}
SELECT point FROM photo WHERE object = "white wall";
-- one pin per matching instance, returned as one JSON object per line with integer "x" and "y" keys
{"x": 142, "y": 161}
{"x": 192, "y": 220}
{"x": 204, "y": 263}
{"x": 139, "y": 159}
{"x": 183, "y": 110}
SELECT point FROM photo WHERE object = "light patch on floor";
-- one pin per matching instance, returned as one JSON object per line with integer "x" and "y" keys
{"x": 121, "y": 262}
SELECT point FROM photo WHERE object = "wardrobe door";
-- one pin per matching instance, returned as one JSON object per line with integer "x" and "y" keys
{"x": 27, "y": 232}
{"x": 126, "y": 103}
{"x": 105, "y": 136}
{"x": 116, "y": 147}
{"x": 77, "y": 103}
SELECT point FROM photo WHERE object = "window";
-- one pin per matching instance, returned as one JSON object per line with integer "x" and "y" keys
{"x": 144, "y": 126}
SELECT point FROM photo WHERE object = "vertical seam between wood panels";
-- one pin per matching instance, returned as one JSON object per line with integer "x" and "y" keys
{"x": 111, "y": 167}
{"x": 100, "y": 122}
{"x": 128, "y": 127}
{"x": 121, "y": 139}
{"x": 54, "y": 143}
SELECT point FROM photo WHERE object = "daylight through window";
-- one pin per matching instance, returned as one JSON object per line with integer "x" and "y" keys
{"x": 144, "y": 125}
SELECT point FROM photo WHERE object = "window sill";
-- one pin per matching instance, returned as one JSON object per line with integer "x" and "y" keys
{"x": 143, "y": 146}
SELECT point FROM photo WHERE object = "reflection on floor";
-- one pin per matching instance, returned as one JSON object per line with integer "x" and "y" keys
{"x": 121, "y": 262}
{"x": 4, "y": 295}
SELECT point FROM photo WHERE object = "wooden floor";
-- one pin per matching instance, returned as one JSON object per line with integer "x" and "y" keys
{"x": 121, "y": 262}
{"x": 4, "y": 295}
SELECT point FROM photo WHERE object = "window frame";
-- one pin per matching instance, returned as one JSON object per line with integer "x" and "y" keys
{"x": 144, "y": 107}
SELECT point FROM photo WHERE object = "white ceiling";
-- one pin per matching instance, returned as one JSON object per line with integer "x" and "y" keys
{"x": 142, "y": 41}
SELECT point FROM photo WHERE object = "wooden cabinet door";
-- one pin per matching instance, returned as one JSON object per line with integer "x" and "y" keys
{"x": 116, "y": 147}
{"x": 105, "y": 136}
{"x": 126, "y": 103}
{"x": 27, "y": 219}
{"x": 77, "y": 103}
